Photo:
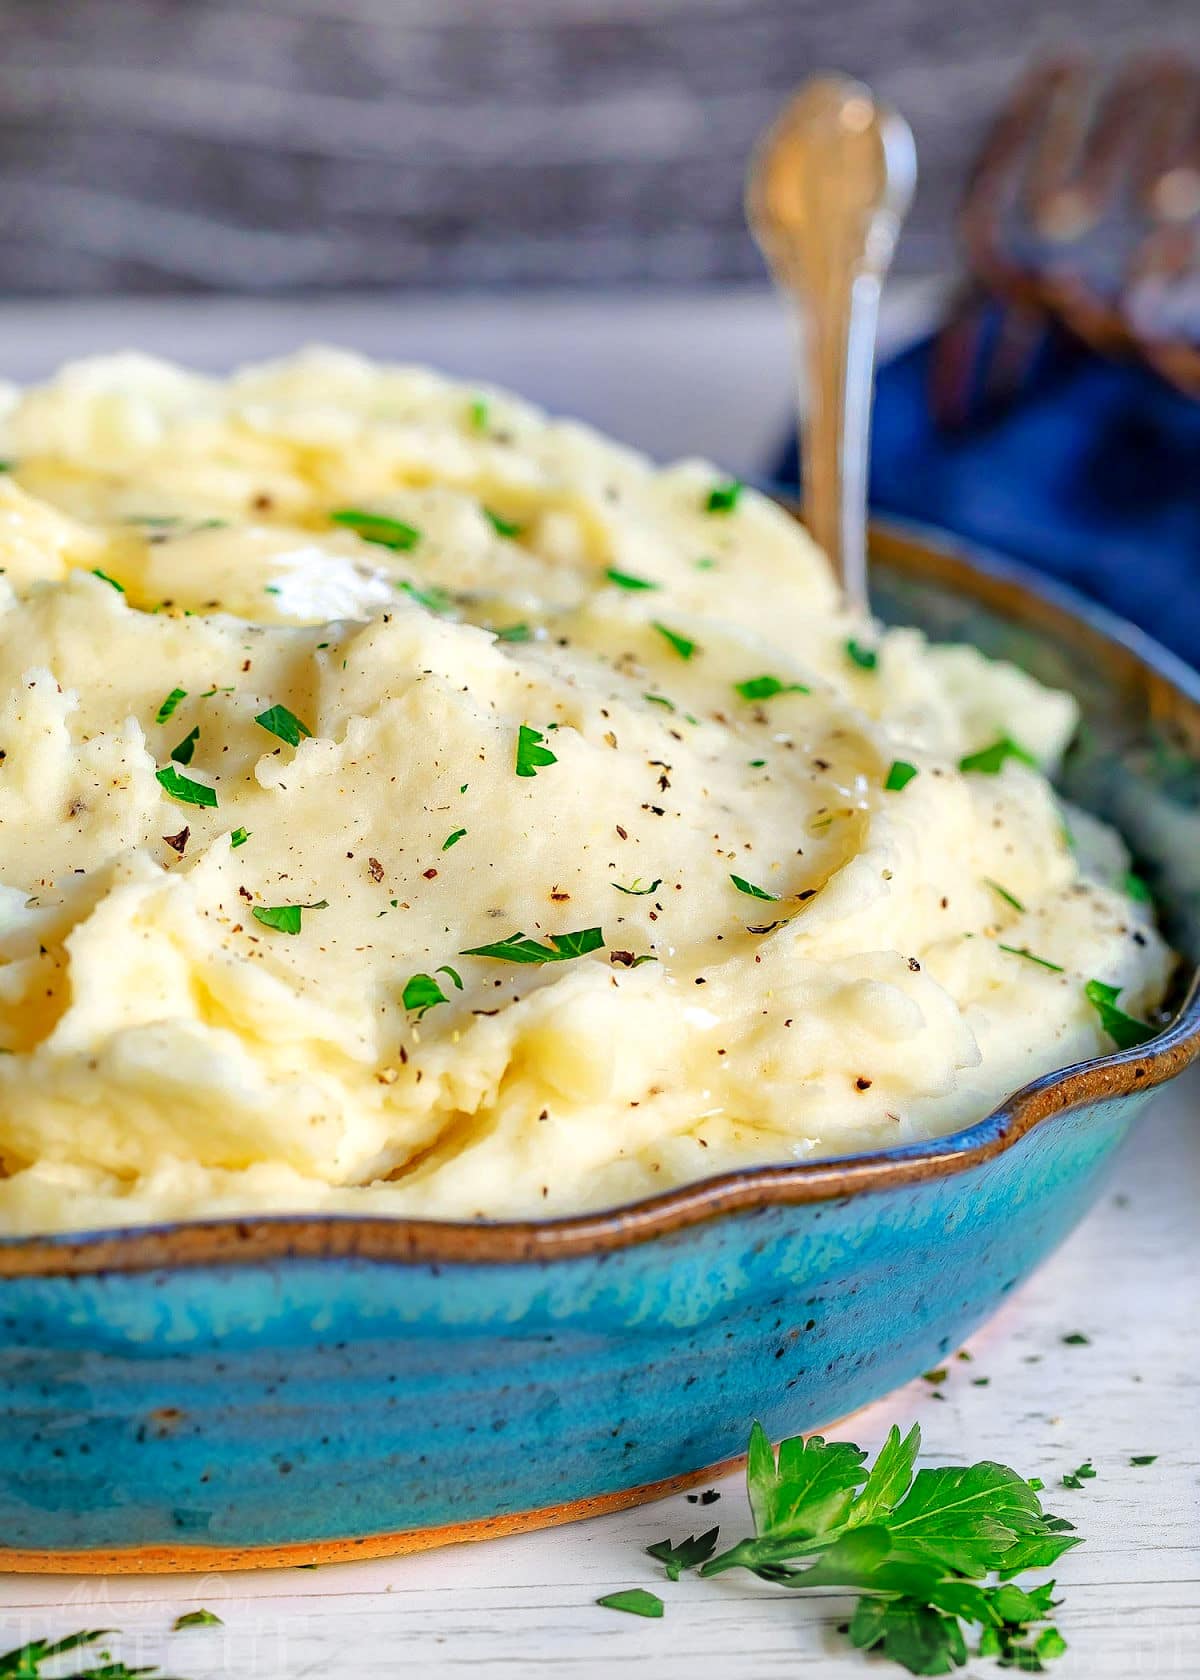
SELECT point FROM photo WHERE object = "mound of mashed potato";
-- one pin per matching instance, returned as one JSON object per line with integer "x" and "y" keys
{"x": 409, "y": 803}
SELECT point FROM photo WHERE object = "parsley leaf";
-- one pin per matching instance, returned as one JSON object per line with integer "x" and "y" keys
{"x": 378, "y": 528}
{"x": 184, "y": 788}
{"x": 636, "y": 1600}
{"x": 182, "y": 754}
{"x": 866, "y": 658}
{"x": 989, "y": 761}
{"x": 683, "y": 647}
{"x": 169, "y": 704}
{"x": 25, "y": 1663}
{"x": 723, "y": 498}
{"x": 197, "y": 1618}
{"x": 626, "y": 580}
{"x": 1125, "y": 1030}
{"x": 514, "y": 633}
{"x": 453, "y": 839}
{"x": 277, "y": 720}
{"x": 1144, "y": 1458}
{"x": 689, "y": 1553}
{"x": 764, "y": 688}
{"x": 285, "y": 918}
{"x": 638, "y": 892}
{"x": 531, "y": 755}
{"x": 502, "y": 527}
{"x": 519, "y": 949}
{"x": 433, "y": 599}
{"x": 423, "y": 992}
{"x": 1004, "y": 894}
{"x": 238, "y": 838}
{"x": 752, "y": 891}
{"x": 1024, "y": 951}
{"x": 899, "y": 776}
{"x": 1136, "y": 888}
{"x": 104, "y": 577}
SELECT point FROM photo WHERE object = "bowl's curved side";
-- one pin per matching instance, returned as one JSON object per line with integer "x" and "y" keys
{"x": 221, "y": 1416}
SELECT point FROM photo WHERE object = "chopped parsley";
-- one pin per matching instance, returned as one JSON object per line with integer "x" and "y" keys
{"x": 865, "y": 658}
{"x": 531, "y": 755}
{"x": 502, "y": 527}
{"x": 635, "y": 1600}
{"x": 285, "y": 918}
{"x": 238, "y": 838}
{"x": 182, "y": 754}
{"x": 453, "y": 839}
{"x": 184, "y": 788}
{"x": 478, "y": 415}
{"x": 104, "y": 577}
{"x": 989, "y": 761}
{"x": 705, "y": 563}
{"x": 514, "y": 633}
{"x": 660, "y": 700}
{"x": 689, "y": 1554}
{"x": 519, "y": 949}
{"x": 683, "y": 647}
{"x": 25, "y": 1663}
{"x": 1024, "y": 951}
{"x": 1004, "y": 894}
{"x": 1085, "y": 1472}
{"x": 433, "y": 599}
{"x": 626, "y": 580}
{"x": 765, "y": 688}
{"x": 752, "y": 891}
{"x": 899, "y": 776}
{"x": 169, "y": 704}
{"x": 378, "y": 528}
{"x": 1136, "y": 888}
{"x": 638, "y": 892}
{"x": 197, "y": 1618}
{"x": 1144, "y": 1458}
{"x": 1076, "y": 1339}
{"x": 1125, "y": 1030}
{"x": 277, "y": 720}
{"x": 423, "y": 993}
{"x": 723, "y": 498}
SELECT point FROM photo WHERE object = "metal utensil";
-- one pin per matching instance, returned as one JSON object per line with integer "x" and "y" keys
{"x": 829, "y": 185}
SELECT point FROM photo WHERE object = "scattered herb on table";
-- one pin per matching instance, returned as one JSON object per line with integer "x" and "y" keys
{"x": 899, "y": 775}
{"x": 1030, "y": 956}
{"x": 1085, "y": 1472}
{"x": 517, "y": 948}
{"x": 1076, "y": 1339}
{"x": 1144, "y": 1458}
{"x": 636, "y": 1601}
{"x": 989, "y": 761}
{"x": 627, "y": 580}
{"x": 866, "y": 658}
{"x": 277, "y": 720}
{"x": 752, "y": 891}
{"x": 765, "y": 688}
{"x": 683, "y": 647}
{"x": 197, "y": 1618}
{"x": 723, "y": 498}
{"x": 169, "y": 704}
{"x": 532, "y": 756}
{"x": 378, "y": 528}
{"x": 285, "y": 918}
{"x": 1125, "y": 1031}
{"x": 184, "y": 788}
{"x": 689, "y": 1554}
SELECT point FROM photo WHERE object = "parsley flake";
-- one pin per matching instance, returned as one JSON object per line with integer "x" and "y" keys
{"x": 689, "y": 1553}
{"x": 1144, "y": 1458}
{"x": 197, "y": 1618}
{"x": 453, "y": 839}
{"x": 989, "y": 761}
{"x": 683, "y": 647}
{"x": 1004, "y": 894}
{"x": 638, "y": 892}
{"x": 184, "y": 788}
{"x": 433, "y": 599}
{"x": 899, "y": 776}
{"x": 1136, "y": 888}
{"x": 502, "y": 527}
{"x": 478, "y": 415}
{"x": 531, "y": 755}
{"x": 169, "y": 704}
{"x": 705, "y": 563}
{"x": 104, "y": 577}
{"x": 238, "y": 838}
{"x": 519, "y": 949}
{"x": 182, "y": 754}
{"x": 1076, "y": 1339}
{"x": 514, "y": 633}
{"x": 1024, "y": 951}
{"x": 866, "y": 658}
{"x": 285, "y": 918}
{"x": 1125, "y": 1031}
{"x": 635, "y": 1600}
{"x": 765, "y": 688}
{"x": 752, "y": 891}
{"x": 378, "y": 528}
{"x": 723, "y": 498}
{"x": 277, "y": 720}
{"x": 423, "y": 993}
{"x": 626, "y": 580}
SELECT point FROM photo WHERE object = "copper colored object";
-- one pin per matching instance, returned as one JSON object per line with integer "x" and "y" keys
{"x": 1085, "y": 205}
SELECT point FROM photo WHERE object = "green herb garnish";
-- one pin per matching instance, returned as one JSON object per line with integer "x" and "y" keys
{"x": 184, "y": 788}
{"x": 1136, "y": 888}
{"x": 989, "y": 761}
{"x": 478, "y": 415}
{"x": 378, "y": 528}
{"x": 285, "y": 918}
{"x": 104, "y": 577}
{"x": 453, "y": 839}
{"x": 1076, "y": 1339}
{"x": 1144, "y": 1458}
{"x": 518, "y": 949}
{"x": 1124, "y": 1030}
{"x": 238, "y": 838}
{"x": 705, "y": 563}
{"x": 866, "y": 658}
{"x": 752, "y": 891}
{"x": 182, "y": 754}
{"x": 502, "y": 527}
{"x": 169, "y": 704}
{"x": 660, "y": 700}
{"x": 626, "y": 580}
{"x": 683, "y": 647}
{"x": 433, "y": 599}
{"x": 197, "y": 1618}
{"x": 765, "y": 688}
{"x": 1004, "y": 894}
{"x": 899, "y": 775}
{"x": 723, "y": 498}
{"x": 514, "y": 633}
{"x": 531, "y": 755}
{"x": 635, "y": 1600}
{"x": 638, "y": 892}
{"x": 689, "y": 1553}
{"x": 423, "y": 993}
{"x": 1024, "y": 951}
{"x": 277, "y": 720}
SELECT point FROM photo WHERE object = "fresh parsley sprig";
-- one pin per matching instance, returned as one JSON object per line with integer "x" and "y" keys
{"x": 25, "y": 1662}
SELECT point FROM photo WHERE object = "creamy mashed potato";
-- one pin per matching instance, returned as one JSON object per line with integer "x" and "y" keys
{"x": 412, "y": 804}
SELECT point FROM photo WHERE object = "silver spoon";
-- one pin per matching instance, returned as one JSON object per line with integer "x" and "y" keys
{"x": 828, "y": 188}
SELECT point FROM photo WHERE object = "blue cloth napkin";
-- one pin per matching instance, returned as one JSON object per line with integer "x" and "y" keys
{"x": 1092, "y": 476}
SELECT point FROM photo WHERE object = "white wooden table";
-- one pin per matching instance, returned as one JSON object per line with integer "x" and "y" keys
{"x": 1129, "y": 1278}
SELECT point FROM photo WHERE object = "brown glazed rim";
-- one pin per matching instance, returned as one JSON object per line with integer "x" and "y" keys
{"x": 1170, "y": 693}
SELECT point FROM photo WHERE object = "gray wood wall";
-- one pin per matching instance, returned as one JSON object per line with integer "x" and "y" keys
{"x": 268, "y": 144}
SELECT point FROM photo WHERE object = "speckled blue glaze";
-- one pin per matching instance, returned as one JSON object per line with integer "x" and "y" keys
{"x": 264, "y": 1402}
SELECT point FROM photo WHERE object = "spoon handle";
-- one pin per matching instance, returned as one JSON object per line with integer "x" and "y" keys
{"x": 828, "y": 188}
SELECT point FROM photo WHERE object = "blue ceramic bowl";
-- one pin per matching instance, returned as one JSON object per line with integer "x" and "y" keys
{"x": 292, "y": 1389}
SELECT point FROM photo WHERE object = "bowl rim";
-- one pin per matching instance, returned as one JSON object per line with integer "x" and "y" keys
{"x": 1014, "y": 590}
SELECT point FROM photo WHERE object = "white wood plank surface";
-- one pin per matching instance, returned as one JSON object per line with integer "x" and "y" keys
{"x": 1129, "y": 1279}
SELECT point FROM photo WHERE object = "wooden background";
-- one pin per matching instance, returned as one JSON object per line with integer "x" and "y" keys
{"x": 260, "y": 145}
